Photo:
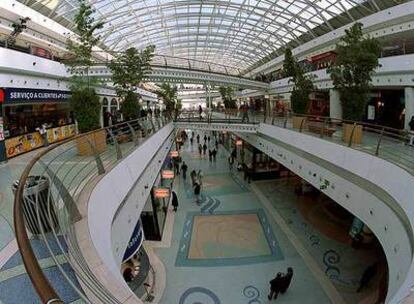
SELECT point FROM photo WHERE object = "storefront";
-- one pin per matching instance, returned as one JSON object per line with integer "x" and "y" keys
{"x": 154, "y": 214}
{"x": 25, "y": 111}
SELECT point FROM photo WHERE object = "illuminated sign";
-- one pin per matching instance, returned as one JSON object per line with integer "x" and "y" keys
{"x": 174, "y": 153}
{"x": 161, "y": 192}
{"x": 167, "y": 174}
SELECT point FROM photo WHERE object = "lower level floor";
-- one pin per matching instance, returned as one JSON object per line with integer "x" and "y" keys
{"x": 227, "y": 248}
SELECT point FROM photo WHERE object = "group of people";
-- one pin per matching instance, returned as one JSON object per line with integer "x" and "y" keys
{"x": 280, "y": 284}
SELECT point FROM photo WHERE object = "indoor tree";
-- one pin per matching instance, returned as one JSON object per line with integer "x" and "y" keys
{"x": 168, "y": 93}
{"x": 128, "y": 69}
{"x": 351, "y": 74}
{"x": 302, "y": 83}
{"x": 84, "y": 102}
{"x": 227, "y": 95}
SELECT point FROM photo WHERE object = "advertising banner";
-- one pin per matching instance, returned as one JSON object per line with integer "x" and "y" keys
{"x": 135, "y": 242}
{"x": 24, "y": 143}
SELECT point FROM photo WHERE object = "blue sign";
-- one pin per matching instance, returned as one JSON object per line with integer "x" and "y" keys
{"x": 135, "y": 242}
{"x": 20, "y": 95}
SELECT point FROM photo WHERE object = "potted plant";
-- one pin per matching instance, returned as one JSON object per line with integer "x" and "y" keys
{"x": 128, "y": 69}
{"x": 84, "y": 101}
{"x": 168, "y": 93}
{"x": 302, "y": 87}
{"x": 351, "y": 75}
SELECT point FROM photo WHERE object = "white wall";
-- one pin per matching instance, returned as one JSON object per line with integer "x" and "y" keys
{"x": 104, "y": 223}
{"x": 383, "y": 219}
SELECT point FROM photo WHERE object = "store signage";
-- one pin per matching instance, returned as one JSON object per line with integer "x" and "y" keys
{"x": 167, "y": 174}
{"x": 161, "y": 192}
{"x": 19, "y": 95}
{"x": 1, "y": 96}
{"x": 134, "y": 243}
{"x": 174, "y": 153}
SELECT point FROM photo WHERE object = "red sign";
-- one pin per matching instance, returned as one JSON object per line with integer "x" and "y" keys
{"x": 1, "y": 95}
{"x": 167, "y": 174}
{"x": 161, "y": 192}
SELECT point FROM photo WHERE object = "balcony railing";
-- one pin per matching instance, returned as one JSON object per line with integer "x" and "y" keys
{"x": 46, "y": 201}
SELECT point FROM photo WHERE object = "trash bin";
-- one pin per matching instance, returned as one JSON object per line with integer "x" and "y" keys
{"x": 36, "y": 191}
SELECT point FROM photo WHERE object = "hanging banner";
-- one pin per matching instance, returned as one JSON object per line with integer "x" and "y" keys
{"x": 134, "y": 243}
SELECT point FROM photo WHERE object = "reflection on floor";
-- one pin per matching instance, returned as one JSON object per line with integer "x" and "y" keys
{"x": 224, "y": 250}
{"x": 325, "y": 235}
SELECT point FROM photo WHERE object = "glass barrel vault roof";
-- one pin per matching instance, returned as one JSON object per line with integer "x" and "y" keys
{"x": 235, "y": 33}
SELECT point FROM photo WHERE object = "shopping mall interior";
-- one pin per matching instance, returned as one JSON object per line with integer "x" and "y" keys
{"x": 206, "y": 152}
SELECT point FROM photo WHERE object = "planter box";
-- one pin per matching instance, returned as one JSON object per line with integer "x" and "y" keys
{"x": 97, "y": 138}
{"x": 347, "y": 132}
{"x": 297, "y": 122}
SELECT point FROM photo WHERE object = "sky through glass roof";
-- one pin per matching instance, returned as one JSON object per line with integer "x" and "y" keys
{"x": 235, "y": 33}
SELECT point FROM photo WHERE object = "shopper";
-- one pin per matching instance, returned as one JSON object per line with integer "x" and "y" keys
{"x": 275, "y": 286}
{"x": 214, "y": 154}
{"x": 200, "y": 148}
{"x": 286, "y": 279}
{"x": 184, "y": 169}
{"x": 200, "y": 176}
{"x": 200, "y": 111}
{"x": 174, "y": 201}
{"x": 191, "y": 140}
{"x": 208, "y": 139}
{"x": 193, "y": 176}
{"x": 205, "y": 138}
{"x": 204, "y": 148}
{"x": 198, "y": 138}
{"x": 231, "y": 162}
{"x": 367, "y": 276}
{"x": 210, "y": 155}
{"x": 411, "y": 125}
{"x": 197, "y": 190}
{"x": 176, "y": 166}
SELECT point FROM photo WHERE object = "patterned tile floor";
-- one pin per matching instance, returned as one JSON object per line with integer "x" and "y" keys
{"x": 15, "y": 286}
{"x": 216, "y": 279}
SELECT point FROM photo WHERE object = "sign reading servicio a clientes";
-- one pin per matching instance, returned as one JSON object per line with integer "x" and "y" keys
{"x": 20, "y": 95}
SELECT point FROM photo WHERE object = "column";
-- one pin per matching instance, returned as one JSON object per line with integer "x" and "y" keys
{"x": 335, "y": 108}
{"x": 409, "y": 105}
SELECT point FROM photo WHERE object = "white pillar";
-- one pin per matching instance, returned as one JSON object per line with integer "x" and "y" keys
{"x": 409, "y": 105}
{"x": 335, "y": 107}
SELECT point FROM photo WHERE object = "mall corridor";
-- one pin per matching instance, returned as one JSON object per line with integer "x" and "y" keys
{"x": 228, "y": 248}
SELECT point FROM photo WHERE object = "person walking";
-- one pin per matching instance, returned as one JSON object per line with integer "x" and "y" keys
{"x": 411, "y": 125}
{"x": 193, "y": 176}
{"x": 200, "y": 111}
{"x": 275, "y": 286}
{"x": 200, "y": 149}
{"x": 191, "y": 140}
{"x": 214, "y": 154}
{"x": 367, "y": 276}
{"x": 197, "y": 190}
{"x": 210, "y": 155}
{"x": 205, "y": 138}
{"x": 204, "y": 148}
{"x": 231, "y": 162}
{"x": 286, "y": 279}
{"x": 174, "y": 201}
{"x": 208, "y": 139}
{"x": 200, "y": 176}
{"x": 198, "y": 138}
{"x": 184, "y": 169}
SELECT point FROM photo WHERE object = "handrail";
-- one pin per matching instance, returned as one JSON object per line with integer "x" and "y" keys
{"x": 44, "y": 289}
